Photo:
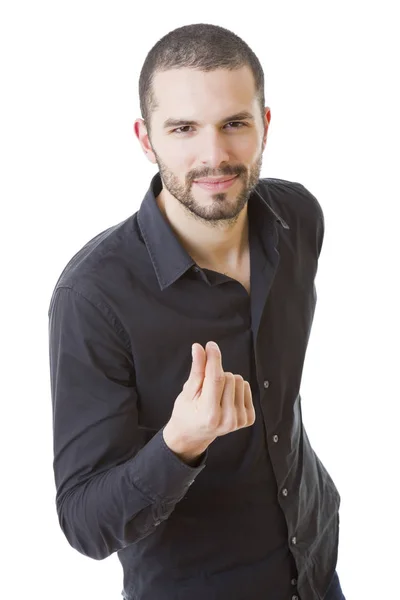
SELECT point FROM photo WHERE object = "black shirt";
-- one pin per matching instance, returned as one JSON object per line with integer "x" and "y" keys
{"x": 258, "y": 517}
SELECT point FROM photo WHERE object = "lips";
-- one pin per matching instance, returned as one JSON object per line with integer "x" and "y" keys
{"x": 216, "y": 184}
{"x": 215, "y": 179}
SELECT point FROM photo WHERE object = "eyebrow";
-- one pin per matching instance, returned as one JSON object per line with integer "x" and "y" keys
{"x": 182, "y": 122}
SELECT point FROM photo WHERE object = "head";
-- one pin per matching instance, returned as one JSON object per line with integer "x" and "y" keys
{"x": 202, "y": 101}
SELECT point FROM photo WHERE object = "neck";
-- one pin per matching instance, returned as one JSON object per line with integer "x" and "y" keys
{"x": 215, "y": 245}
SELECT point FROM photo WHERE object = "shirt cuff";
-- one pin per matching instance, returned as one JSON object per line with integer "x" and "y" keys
{"x": 160, "y": 474}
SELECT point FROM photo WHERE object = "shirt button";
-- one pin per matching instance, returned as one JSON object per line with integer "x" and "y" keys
{"x": 294, "y": 581}
{"x": 285, "y": 492}
{"x": 295, "y": 598}
{"x": 294, "y": 540}
{"x": 196, "y": 269}
{"x": 275, "y": 438}
{"x": 266, "y": 384}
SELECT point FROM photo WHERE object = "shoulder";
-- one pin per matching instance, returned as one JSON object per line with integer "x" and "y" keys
{"x": 100, "y": 258}
{"x": 300, "y": 209}
{"x": 291, "y": 200}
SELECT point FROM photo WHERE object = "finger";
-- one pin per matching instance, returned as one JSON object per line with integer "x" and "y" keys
{"x": 248, "y": 404}
{"x": 214, "y": 379}
{"x": 228, "y": 413}
{"x": 241, "y": 415}
{"x": 197, "y": 371}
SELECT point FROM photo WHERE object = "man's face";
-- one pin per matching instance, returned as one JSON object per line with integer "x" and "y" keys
{"x": 221, "y": 142}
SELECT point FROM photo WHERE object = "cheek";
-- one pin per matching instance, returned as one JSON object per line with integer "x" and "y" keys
{"x": 180, "y": 161}
{"x": 247, "y": 149}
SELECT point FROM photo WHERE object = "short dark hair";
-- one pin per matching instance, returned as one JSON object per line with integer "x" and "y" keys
{"x": 200, "y": 46}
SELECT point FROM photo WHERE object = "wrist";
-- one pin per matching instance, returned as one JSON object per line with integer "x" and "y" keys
{"x": 184, "y": 449}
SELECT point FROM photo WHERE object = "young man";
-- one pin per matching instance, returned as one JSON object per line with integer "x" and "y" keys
{"x": 177, "y": 343}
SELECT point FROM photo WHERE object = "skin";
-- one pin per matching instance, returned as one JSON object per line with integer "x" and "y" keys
{"x": 212, "y": 226}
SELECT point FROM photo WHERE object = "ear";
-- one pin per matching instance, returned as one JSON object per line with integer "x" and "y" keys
{"x": 267, "y": 119}
{"x": 140, "y": 130}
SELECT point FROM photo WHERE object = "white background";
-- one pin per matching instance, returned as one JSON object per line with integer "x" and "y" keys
{"x": 71, "y": 167}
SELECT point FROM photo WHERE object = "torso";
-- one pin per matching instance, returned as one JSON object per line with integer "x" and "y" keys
{"x": 241, "y": 275}
{"x": 243, "y": 278}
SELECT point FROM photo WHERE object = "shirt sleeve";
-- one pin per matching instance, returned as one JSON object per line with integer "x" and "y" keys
{"x": 320, "y": 219}
{"x": 112, "y": 488}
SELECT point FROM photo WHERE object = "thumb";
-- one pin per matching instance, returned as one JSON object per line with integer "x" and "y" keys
{"x": 197, "y": 371}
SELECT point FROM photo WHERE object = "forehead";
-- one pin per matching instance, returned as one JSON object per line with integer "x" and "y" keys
{"x": 190, "y": 92}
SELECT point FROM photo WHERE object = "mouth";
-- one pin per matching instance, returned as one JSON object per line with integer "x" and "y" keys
{"x": 218, "y": 185}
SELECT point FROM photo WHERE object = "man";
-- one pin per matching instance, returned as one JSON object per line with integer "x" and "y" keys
{"x": 177, "y": 342}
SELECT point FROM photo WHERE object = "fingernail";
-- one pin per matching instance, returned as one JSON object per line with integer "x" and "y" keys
{"x": 213, "y": 345}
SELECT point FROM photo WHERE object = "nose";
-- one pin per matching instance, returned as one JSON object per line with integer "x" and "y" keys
{"x": 213, "y": 149}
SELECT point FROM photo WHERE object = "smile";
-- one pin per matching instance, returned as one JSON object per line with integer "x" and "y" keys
{"x": 223, "y": 185}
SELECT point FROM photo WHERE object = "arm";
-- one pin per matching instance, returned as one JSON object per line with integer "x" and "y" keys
{"x": 112, "y": 488}
{"x": 320, "y": 218}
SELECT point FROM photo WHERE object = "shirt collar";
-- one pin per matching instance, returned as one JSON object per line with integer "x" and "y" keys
{"x": 169, "y": 258}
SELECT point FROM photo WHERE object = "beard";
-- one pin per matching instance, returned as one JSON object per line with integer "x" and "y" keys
{"x": 220, "y": 209}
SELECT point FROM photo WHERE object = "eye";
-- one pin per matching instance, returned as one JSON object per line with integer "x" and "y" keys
{"x": 180, "y": 130}
{"x": 237, "y": 123}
